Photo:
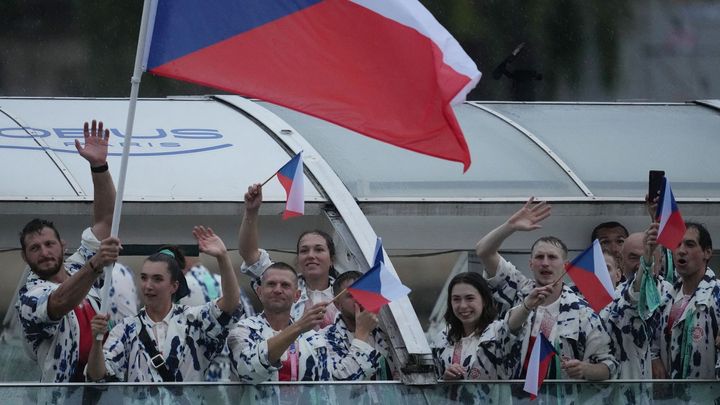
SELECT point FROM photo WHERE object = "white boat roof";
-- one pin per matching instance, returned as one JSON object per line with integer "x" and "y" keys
{"x": 196, "y": 155}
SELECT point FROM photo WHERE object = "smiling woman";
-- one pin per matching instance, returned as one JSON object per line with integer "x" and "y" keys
{"x": 473, "y": 343}
{"x": 315, "y": 259}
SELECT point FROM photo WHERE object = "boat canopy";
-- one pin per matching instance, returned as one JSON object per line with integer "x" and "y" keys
{"x": 192, "y": 159}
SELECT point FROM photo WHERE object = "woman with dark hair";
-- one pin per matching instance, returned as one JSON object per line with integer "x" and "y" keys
{"x": 315, "y": 259}
{"x": 166, "y": 341}
{"x": 475, "y": 346}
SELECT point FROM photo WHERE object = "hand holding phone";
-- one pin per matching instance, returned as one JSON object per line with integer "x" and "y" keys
{"x": 655, "y": 181}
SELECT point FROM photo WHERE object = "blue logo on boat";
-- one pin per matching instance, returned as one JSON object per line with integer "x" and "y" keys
{"x": 160, "y": 141}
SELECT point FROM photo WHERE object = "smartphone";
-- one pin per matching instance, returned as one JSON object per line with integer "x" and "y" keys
{"x": 655, "y": 180}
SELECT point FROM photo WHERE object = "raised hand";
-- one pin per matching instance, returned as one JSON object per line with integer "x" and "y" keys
{"x": 99, "y": 324}
{"x": 95, "y": 148}
{"x": 312, "y": 318}
{"x": 107, "y": 254}
{"x": 651, "y": 206}
{"x": 365, "y": 323}
{"x": 528, "y": 218}
{"x": 537, "y": 296}
{"x": 208, "y": 242}
{"x": 253, "y": 197}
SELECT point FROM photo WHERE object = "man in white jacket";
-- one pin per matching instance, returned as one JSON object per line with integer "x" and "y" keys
{"x": 564, "y": 318}
{"x": 273, "y": 346}
{"x": 61, "y": 295}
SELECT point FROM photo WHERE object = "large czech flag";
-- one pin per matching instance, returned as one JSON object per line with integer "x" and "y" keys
{"x": 672, "y": 226}
{"x": 590, "y": 274}
{"x": 292, "y": 178}
{"x": 384, "y": 68}
{"x": 540, "y": 357}
{"x": 378, "y": 286}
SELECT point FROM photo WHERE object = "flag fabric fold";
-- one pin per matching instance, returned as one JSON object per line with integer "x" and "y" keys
{"x": 378, "y": 286}
{"x": 292, "y": 178}
{"x": 385, "y": 69}
{"x": 540, "y": 357}
{"x": 590, "y": 274}
{"x": 672, "y": 226}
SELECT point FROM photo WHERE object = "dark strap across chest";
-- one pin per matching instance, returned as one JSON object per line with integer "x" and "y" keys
{"x": 156, "y": 358}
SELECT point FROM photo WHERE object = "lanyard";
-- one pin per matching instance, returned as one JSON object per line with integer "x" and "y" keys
{"x": 457, "y": 353}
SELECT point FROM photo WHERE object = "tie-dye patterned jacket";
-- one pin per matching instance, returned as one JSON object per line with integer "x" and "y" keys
{"x": 579, "y": 332}
{"x": 687, "y": 347}
{"x": 633, "y": 334}
{"x": 485, "y": 356}
{"x": 352, "y": 358}
{"x": 195, "y": 335}
{"x": 204, "y": 287}
{"x": 54, "y": 344}
{"x": 249, "y": 353}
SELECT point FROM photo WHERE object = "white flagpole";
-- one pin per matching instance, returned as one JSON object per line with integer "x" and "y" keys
{"x": 134, "y": 90}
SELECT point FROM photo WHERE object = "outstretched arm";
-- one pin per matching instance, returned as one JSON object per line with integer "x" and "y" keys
{"x": 519, "y": 314}
{"x": 95, "y": 150}
{"x": 211, "y": 244}
{"x": 248, "y": 234}
{"x": 278, "y": 344}
{"x": 528, "y": 218}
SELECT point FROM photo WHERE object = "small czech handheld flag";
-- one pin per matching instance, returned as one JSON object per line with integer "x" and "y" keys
{"x": 540, "y": 358}
{"x": 378, "y": 286}
{"x": 590, "y": 274}
{"x": 672, "y": 226}
{"x": 292, "y": 178}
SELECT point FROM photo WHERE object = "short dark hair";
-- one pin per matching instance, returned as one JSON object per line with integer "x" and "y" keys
{"x": 36, "y": 226}
{"x": 330, "y": 245}
{"x": 704, "y": 238}
{"x": 350, "y": 275}
{"x": 608, "y": 225}
{"x": 455, "y": 327}
{"x": 553, "y": 241}
{"x": 281, "y": 266}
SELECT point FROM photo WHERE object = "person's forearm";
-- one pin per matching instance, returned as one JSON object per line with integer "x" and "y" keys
{"x": 96, "y": 362}
{"x": 248, "y": 237}
{"x": 71, "y": 292}
{"x": 278, "y": 344}
{"x": 517, "y": 318}
{"x": 487, "y": 247}
{"x": 597, "y": 372}
{"x": 637, "y": 281}
{"x": 229, "y": 284}
{"x": 103, "y": 204}
{"x": 658, "y": 369}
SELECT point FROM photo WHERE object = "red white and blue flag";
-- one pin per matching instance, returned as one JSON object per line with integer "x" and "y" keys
{"x": 386, "y": 69}
{"x": 672, "y": 226}
{"x": 590, "y": 274}
{"x": 378, "y": 286}
{"x": 540, "y": 358}
{"x": 292, "y": 178}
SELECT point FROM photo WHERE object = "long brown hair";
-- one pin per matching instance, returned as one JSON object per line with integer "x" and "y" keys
{"x": 455, "y": 327}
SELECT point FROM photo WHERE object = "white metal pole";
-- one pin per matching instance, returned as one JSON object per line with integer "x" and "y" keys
{"x": 134, "y": 90}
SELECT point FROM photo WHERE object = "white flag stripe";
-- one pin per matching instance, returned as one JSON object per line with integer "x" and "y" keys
{"x": 601, "y": 271}
{"x": 414, "y": 15}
